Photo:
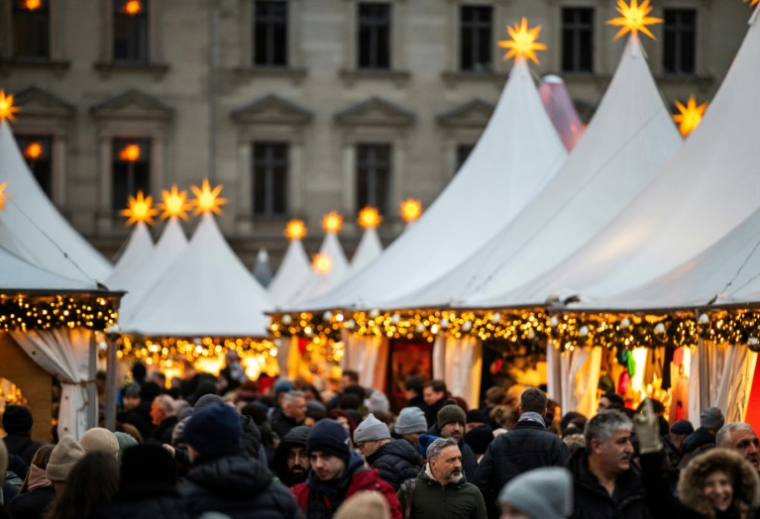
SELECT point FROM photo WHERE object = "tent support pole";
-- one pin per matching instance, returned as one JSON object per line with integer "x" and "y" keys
{"x": 92, "y": 387}
{"x": 111, "y": 386}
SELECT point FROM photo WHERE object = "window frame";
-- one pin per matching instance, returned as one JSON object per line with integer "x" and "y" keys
{"x": 668, "y": 31}
{"x": 25, "y": 139}
{"x": 374, "y": 58}
{"x": 270, "y": 165}
{"x": 477, "y": 25}
{"x": 48, "y": 11}
{"x": 146, "y": 162}
{"x": 577, "y": 28}
{"x": 372, "y": 182}
{"x": 142, "y": 18}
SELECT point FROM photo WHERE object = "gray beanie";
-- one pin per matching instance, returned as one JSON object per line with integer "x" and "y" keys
{"x": 371, "y": 429}
{"x": 377, "y": 403}
{"x": 544, "y": 493}
{"x": 411, "y": 420}
{"x": 711, "y": 418}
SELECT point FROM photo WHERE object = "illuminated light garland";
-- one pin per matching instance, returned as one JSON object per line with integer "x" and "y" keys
{"x": 26, "y": 313}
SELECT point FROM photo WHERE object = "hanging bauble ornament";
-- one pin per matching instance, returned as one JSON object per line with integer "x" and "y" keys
{"x": 625, "y": 323}
{"x": 495, "y": 318}
{"x": 531, "y": 335}
{"x": 286, "y": 319}
{"x": 351, "y": 324}
{"x": 554, "y": 322}
{"x": 395, "y": 318}
{"x": 659, "y": 329}
{"x": 583, "y": 332}
{"x": 704, "y": 319}
{"x": 496, "y": 366}
{"x": 444, "y": 323}
{"x": 753, "y": 344}
{"x": 327, "y": 315}
{"x": 374, "y": 313}
{"x": 420, "y": 328}
{"x": 466, "y": 326}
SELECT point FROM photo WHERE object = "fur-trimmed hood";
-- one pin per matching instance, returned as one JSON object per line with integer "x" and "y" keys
{"x": 745, "y": 480}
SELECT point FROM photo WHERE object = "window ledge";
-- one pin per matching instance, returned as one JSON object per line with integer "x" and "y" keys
{"x": 56, "y": 66}
{"x": 106, "y": 68}
{"x": 351, "y": 76}
{"x": 297, "y": 75}
{"x": 455, "y": 77}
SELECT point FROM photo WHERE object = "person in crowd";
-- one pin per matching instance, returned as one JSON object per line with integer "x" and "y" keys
{"x": 543, "y": 493}
{"x": 410, "y": 424}
{"x": 147, "y": 487}
{"x": 503, "y": 417}
{"x": 413, "y": 392}
{"x": 435, "y": 394}
{"x": 14, "y": 474}
{"x": 475, "y": 418}
{"x": 140, "y": 416}
{"x": 102, "y": 440}
{"x": 259, "y": 416}
{"x": 674, "y": 445}
{"x": 605, "y": 481}
{"x": 251, "y": 434}
{"x": 478, "y": 439}
{"x": 63, "y": 458}
{"x": 572, "y": 420}
{"x": 292, "y": 413}
{"x": 233, "y": 373}
{"x": 36, "y": 493}
{"x": 495, "y": 396}
{"x": 130, "y": 398}
{"x": 348, "y": 378}
{"x": 740, "y": 437}
{"x": 163, "y": 413}
{"x": 336, "y": 474}
{"x": 378, "y": 403}
{"x": 396, "y": 461}
{"x": 291, "y": 463}
{"x": 573, "y": 442}
{"x": 450, "y": 424}
{"x": 609, "y": 402}
{"x": 17, "y": 423}
{"x": 367, "y": 504}
{"x": 441, "y": 489}
{"x": 3, "y": 468}
{"x": 527, "y": 446}
{"x": 125, "y": 442}
{"x": 311, "y": 392}
{"x": 703, "y": 438}
{"x": 222, "y": 477}
{"x": 92, "y": 482}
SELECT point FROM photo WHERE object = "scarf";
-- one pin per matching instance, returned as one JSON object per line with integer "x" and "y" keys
{"x": 37, "y": 478}
{"x": 532, "y": 417}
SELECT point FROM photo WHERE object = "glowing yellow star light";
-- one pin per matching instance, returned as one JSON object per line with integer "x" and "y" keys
{"x": 32, "y": 5}
{"x": 411, "y": 210}
{"x": 7, "y": 110}
{"x": 332, "y": 222}
{"x": 690, "y": 116}
{"x": 295, "y": 230}
{"x": 3, "y": 195}
{"x": 322, "y": 263}
{"x": 523, "y": 43}
{"x": 130, "y": 153}
{"x": 131, "y": 7}
{"x": 634, "y": 18}
{"x": 369, "y": 218}
{"x": 207, "y": 200}
{"x": 174, "y": 204}
{"x": 33, "y": 151}
{"x": 140, "y": 209}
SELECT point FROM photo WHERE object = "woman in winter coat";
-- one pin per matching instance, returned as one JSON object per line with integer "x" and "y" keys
{"x": 91, "y": 483}
{"x": 36, "y": 493}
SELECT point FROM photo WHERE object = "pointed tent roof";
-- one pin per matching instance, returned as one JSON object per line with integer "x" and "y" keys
{"x": 261, "y": 270}
{"x": 294, "y": 272}
{"x": 33, "y": 229}
{"x": 139, "y": 245}
{"x": 629, "y": 140}
{"x": 707, "y": 188}
{"x": 207, "y": 291}
{"x": 518, "y": 153}
{"x": 369, "y": 248}
{"x": 319, "y": 284}
{"x": 561, "y": 109}
{"x": 17, "y": 274}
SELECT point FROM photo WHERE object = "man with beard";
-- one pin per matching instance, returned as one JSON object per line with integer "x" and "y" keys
{"x": 291, "y": 463}
{"x": 441, "y": 489}
{"x": 740, "y": 437}
{"x": 605, "y": 482}
{"x": 450, "y": 424}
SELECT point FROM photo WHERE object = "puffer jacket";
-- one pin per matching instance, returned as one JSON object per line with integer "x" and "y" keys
{"x": 237, "y": 486}
{"x": 526, "y": 447}
{"x": 295, "y": 438}
{"x": 460, "y": 500}
{"x": 138, "y": 503}
{"x": 396, "y": 462}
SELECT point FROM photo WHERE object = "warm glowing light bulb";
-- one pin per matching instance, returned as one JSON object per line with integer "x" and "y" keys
{"x": 3, "y": 195}
{"x": 140, "y": 209}
{"x": 295, "y": 230}
{"x": 523, "y": 43}
{"x": 332, "y": 222}
{"x": 132, "y": 7}
{"x": 7, "y": 110}
{"x": 369, "y": 218}
{"x": 689, "y": 116}
{"x": 752, "y": 3}
{"x": 130, "y": 153}
{"x": 411, "y": 210}
{"x": 207, "y": 200}
{"x": 33, "y": 151}
{"x": 174, "y": 203}
{"x": 32, "y": 5}
{"x": 634, "y": 18}
{"x": 322, "y": 263}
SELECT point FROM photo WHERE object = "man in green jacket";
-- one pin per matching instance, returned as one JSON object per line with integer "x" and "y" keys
{"x": 441, "y": 489}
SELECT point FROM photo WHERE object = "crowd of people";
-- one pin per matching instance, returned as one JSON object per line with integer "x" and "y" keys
{"x": 221, "y": 447}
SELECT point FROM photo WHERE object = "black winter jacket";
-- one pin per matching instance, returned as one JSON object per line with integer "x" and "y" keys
{"x": 251, "y": 436}
{"x": 469, "y": 462}
{"x": 22, "y": 445}
{"x": 32, "y": 505}
{"x": 526, "y": 447}
{"x": 592, "y": 501}
{"x": 396, "y": 461}
{"x": 282, "y": 424}
{"x": 139, "y": 503}
{"x": 140, "y": 418}
{"x": 698, "y": 439}
{"x": 237, "y": 486}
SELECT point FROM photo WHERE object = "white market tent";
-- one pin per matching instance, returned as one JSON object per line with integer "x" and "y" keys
{"x": 17, "y": 274}
{"x": 322, "y": 283}
{"x": 517, "y": 155}
{"x": 294, "y": 272}
{"x": 139, "y": 245}
{"x": 707, "y": 189}
{"x": 629, "y": 140}
{"x": 369, "y": 248}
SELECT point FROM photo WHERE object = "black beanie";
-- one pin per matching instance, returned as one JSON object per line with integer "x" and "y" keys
{"x": 148, "y": 466}
{"x": 479, "y": 438}
{"x": 17, "y": 419}
{"x": 330, "y": 437}
{"x": 214, "y": 431}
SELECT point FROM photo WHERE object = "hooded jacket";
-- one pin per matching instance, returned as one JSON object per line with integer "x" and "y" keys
{"x": 459, "y": 500}
{"x": 251, "y": 437}
{"x": 295, "y": 438}
{"x": 396, "y": 462}
{"x": 237, "y": 486}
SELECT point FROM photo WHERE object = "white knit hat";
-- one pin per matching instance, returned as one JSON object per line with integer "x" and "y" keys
{"x": 371, "y": 429}
{"x": 100, "y": 440}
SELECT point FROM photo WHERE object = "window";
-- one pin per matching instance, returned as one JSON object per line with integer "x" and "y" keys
{"x": 130, "y": 170}
{"x": 577, "y": 40}
{"x": 374, "y": 36}
{"x": 680, "y": 41}
{"x": 31, "y": 29}
{"x": 373, "y": 176}
{"x": 475, "y": 28}
{"x": 271, "y": 34}
{"x": 270, "y": 178}
{"x": 130, "y": 31}
{"x": 37, "y": 151}
{"x": 463, "y": 151}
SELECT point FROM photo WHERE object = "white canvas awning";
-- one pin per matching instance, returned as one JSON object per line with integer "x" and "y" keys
{"x": 18, "y": 275}
{"x": 294, "y": 272}
{"x": 321, "y": 283}
{"x": 369, "y": 248}
{"x": 139, "y": 245}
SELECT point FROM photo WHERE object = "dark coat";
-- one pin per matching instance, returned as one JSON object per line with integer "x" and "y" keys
{"x": 163, "y": 432}
{"x": 282, "y": 424}
{"x": 469, "y": 461}
{"x": 460, "y": 500}
{"x": 32, "y": 505}
{"x": 140, "y": 418}
{"x": 295, "y": 438}
{"x": 431, "y": 413}
{"x": 23, "y": 446}
{"x": 237, "y": 486}
{"x": 526, "y": 447}
{"x": 396, "y": 462}
{"x": 418, "y": 401}
{"x": 592, "y": 501}
{"x": 251, "y": 436}
{"x": 140, "y": 503}
{"x": 698, "y": 439}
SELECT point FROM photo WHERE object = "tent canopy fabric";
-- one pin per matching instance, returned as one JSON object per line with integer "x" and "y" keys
{"x": 369, "y": 248}
{"x": 206, "y": 291}
{"x": 138, "y": 247}
{"x": 319, "y": 283}
{"x": 18, "y": 275}
{"x": 629, "y": 140}
{"x": 294, "y": 272}
{"x": 518, "y": 153}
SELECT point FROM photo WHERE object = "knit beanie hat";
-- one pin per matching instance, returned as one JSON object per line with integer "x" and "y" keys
{"x": 330, "y": 437}
{"x": 682, "y": 427}
{"x": 476, "y": 416}
{"x": 207, "y": 400}
{"x": 63, "y": 458}
{"x": 711, "y": 418}
{"x": 451, "y": 413}
{"x": 17, "y": 419}
{"x": 100, "y": 440}
{"x": 377, "y": 403}
{"x": 368, "y": 504}
{"x": 125, "y": 442}
{"x": 424, "y": 442}
{"x": 479, "y": 438}
{"x": 411, "y": 420}
{"x": 371, "y": 429}
{"x": 544, "y": 493}
{"x": 214, "y": 431}
{"x": 148, "y": 466}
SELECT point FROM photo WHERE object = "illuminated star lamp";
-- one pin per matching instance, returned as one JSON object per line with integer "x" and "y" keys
{"x": 206, "y": 199}
{"x": 32, "y": 5}
{"x": 130, "y": 153}
{"x": 332, "y": 222}
{"x": 369, "y": 218}
{"x": 411, "y": 210}
{"x": 523, "y": 43}
{"x": 7, "y": 110}
{"x": 140, "y": 209}
{"x": 3, "y": 195}
{"x": 174, "y": 204}
{"x": 295, "y": 230}
{"x": 322, "y": 263}
{"x": 635, "y": 18}
{"x": 33, "y": 150}
{"x": 689, "y": 116}
{"x": 131, "y": 7}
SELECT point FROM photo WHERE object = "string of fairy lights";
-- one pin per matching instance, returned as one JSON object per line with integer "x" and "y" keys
{"x": 27, "y": 313}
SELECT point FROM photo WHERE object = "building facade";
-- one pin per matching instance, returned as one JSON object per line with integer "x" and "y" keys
{"x": 300, "y": 107}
